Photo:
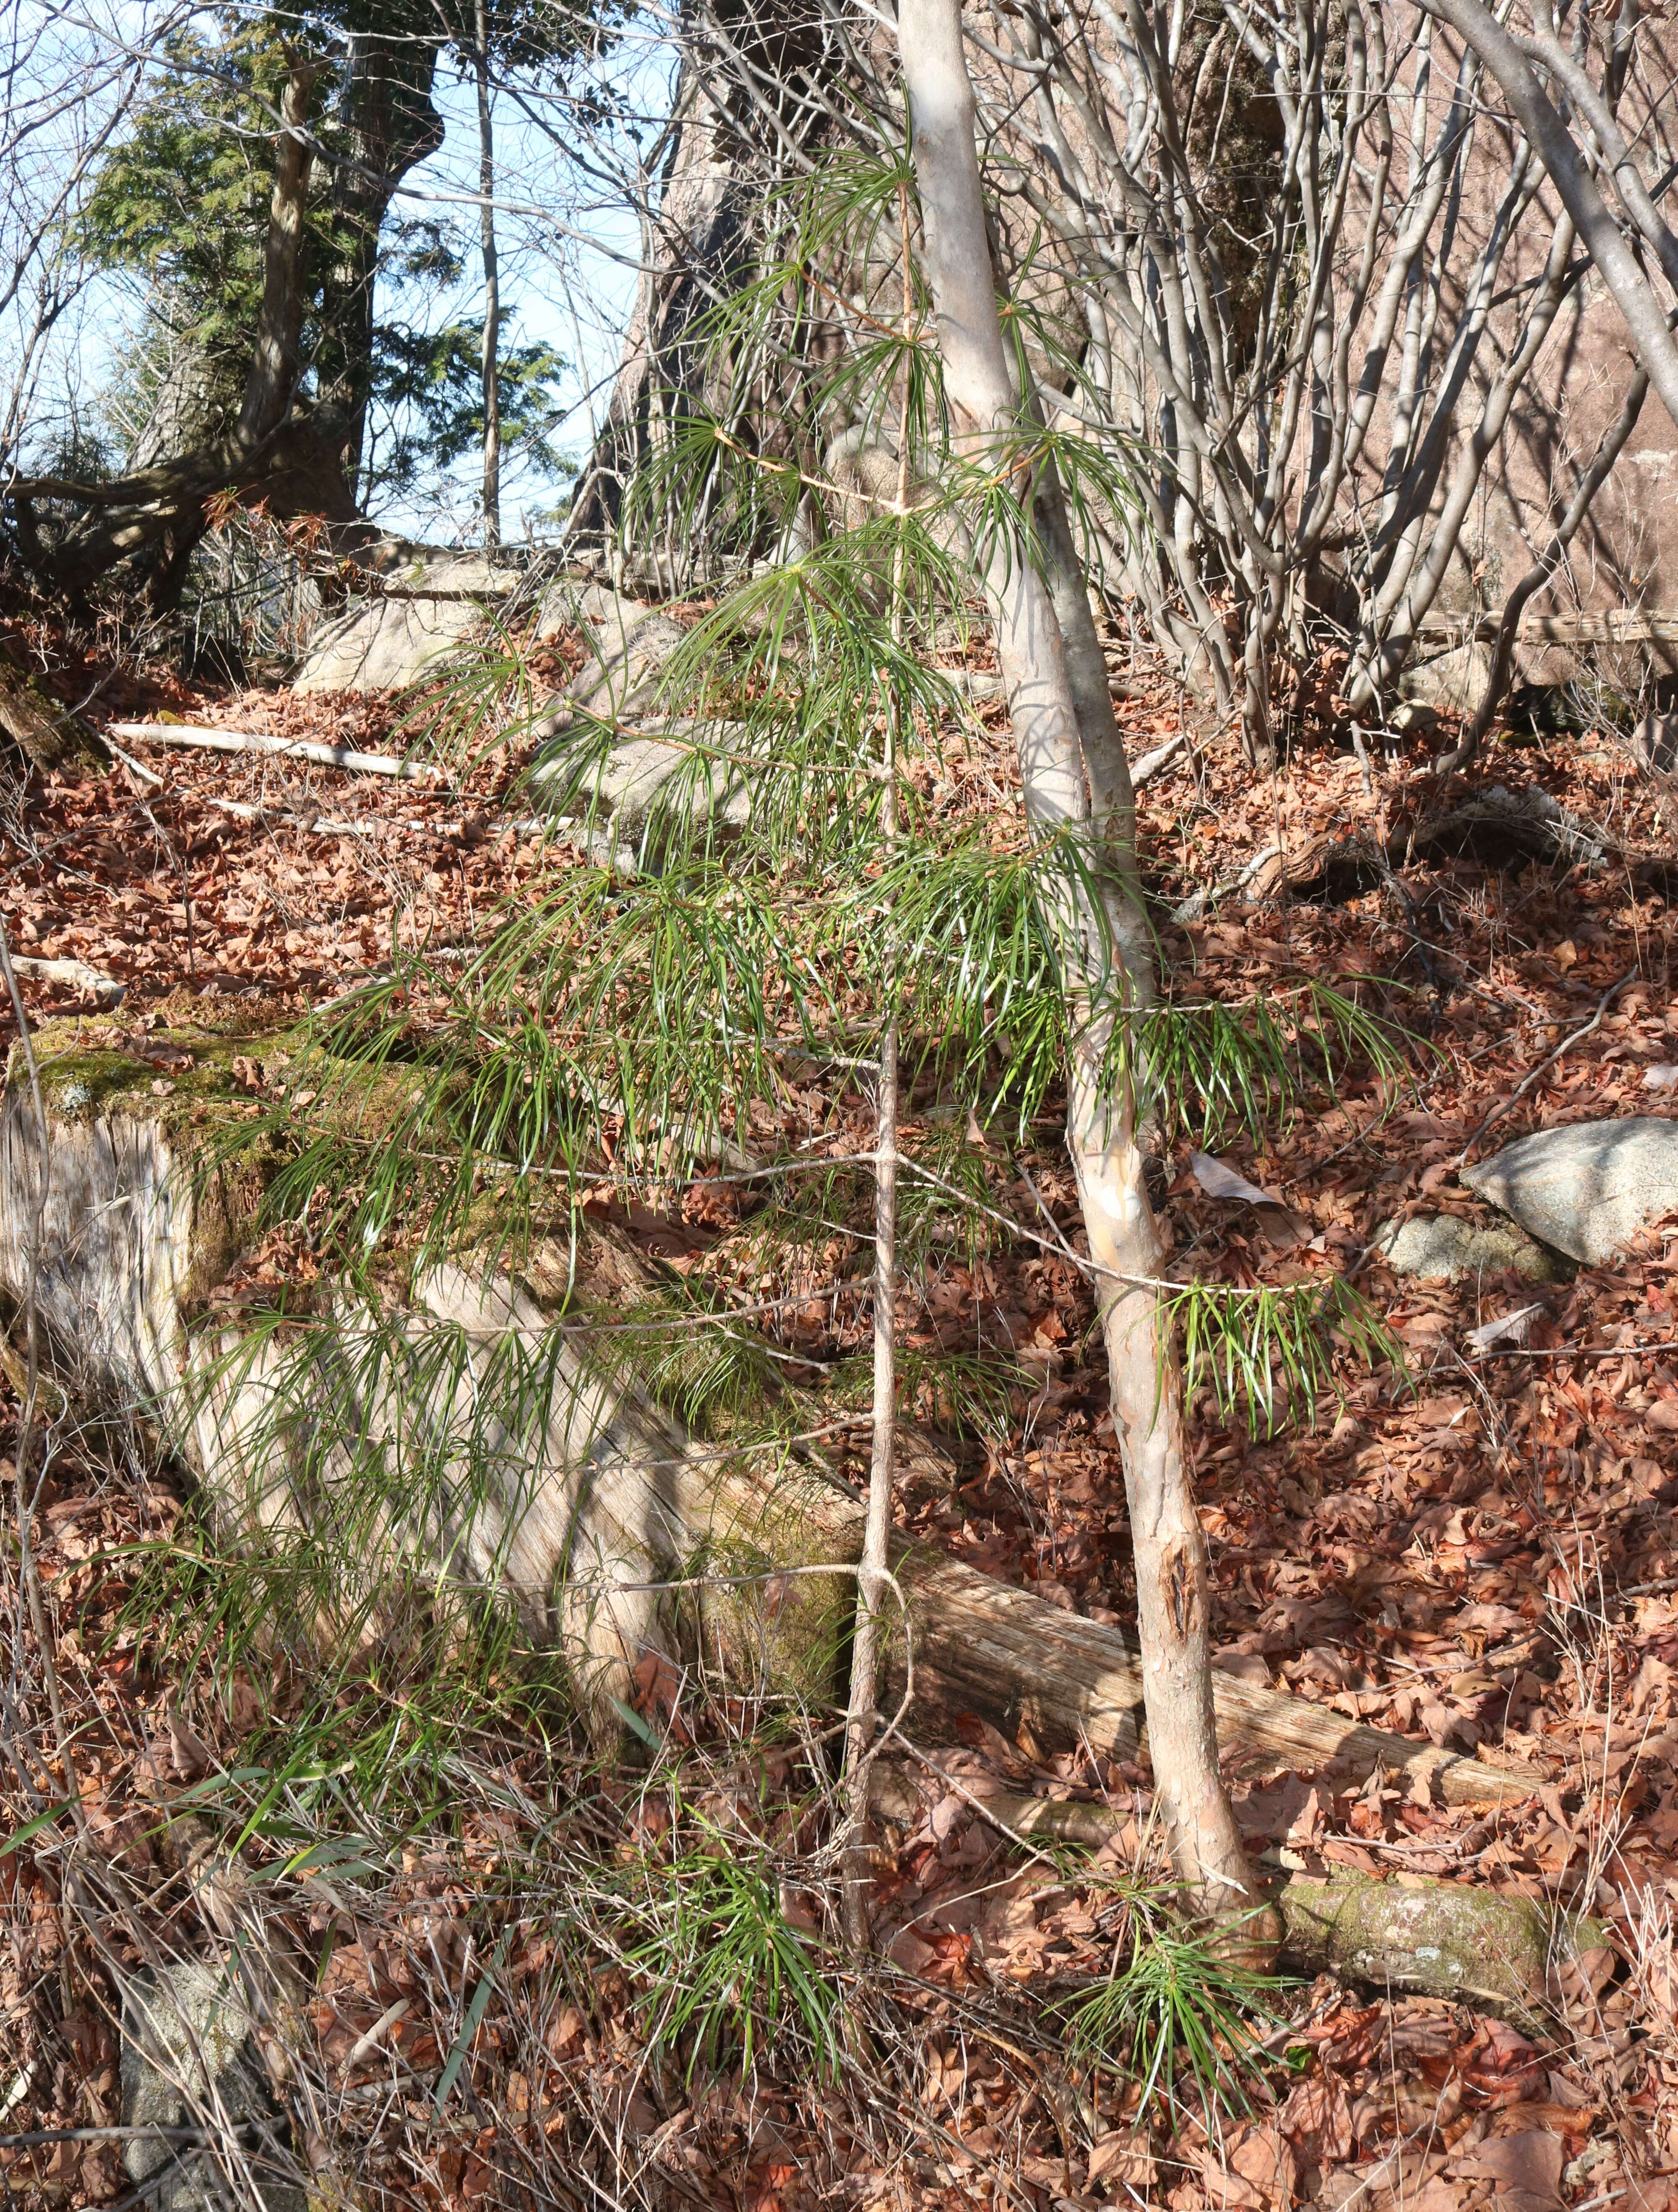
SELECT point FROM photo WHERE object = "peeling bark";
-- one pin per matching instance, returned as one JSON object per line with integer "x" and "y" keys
{"x": 1063, "y": 736}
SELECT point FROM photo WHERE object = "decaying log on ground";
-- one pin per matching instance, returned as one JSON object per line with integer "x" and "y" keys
{"x": 1499, "y": 825}
{"x": 48, "y": 735}
{"x": 1494, "y": 1949}
{"x": 521, "y": 1453}
{"x": 1442, "y": 1939}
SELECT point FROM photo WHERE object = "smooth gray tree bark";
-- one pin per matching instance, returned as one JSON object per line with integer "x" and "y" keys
{"x": 1105, "y": 951}
{"x": 1627, "y": 285}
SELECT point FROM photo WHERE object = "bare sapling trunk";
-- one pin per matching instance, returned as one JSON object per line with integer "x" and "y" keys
{"x": 1106, "y": 957}
{"x": 486, "y": 188}
{"x": 872, "y": 1570}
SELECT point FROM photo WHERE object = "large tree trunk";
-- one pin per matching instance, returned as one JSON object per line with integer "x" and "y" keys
{"x": 758, "y": 86}
{"x": 512, "y": 1453}
{"x": 390, "y": 126}
{"x": 194, "y": 407}
{"x": 1104, "y": 951}
{"x": 693, "y": 246}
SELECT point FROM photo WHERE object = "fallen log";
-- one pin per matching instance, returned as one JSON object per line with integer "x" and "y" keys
{"x": 1502, "y": 1953}
{"x": 106, "y": 990}
{"x": 513, "y": 1441}
{"x": 50, "y": 736}
{"x": 1607, "y": 626}
{"x": 257, "y": 741}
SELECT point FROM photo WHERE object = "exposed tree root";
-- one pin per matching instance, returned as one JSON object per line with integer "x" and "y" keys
{"x": 1503, "y": 1954}
{"x": 48, "y": 735}
{"x": 1498, "y": 824}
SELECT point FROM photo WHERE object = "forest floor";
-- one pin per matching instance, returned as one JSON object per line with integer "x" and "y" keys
{"x": 1487, "y": 1559}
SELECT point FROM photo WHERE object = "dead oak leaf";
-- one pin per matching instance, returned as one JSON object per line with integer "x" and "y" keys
{"x": 1316, "y": 2119}
{"x": 1525, "y": 2168}
{"x": 1122, "y": 2156}
{"x": 1265, "y": 2158}
{"x": 1226, "y": 2191}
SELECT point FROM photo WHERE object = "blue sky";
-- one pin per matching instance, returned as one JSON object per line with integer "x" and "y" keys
{"x": 568, "y": 239}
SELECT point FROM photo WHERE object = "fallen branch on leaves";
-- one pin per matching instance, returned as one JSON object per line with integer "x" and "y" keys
{"x": 314, "y": 824}
{"x": 1151, "y": 764}
{"x": 1574, "y": 1037}
{"x": 1442, "y": 1939}
{"x": 563, "y": 1484}
{"x": 1498, "y": 824}
{"x": 256, "y": 741}
{"x": 106, "y": 990}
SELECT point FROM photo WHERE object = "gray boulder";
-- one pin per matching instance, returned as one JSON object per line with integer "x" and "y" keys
{"x": 631, "y": 642}
{"x": 386, "y": 645}
{"x": 427, "y": 604}
{"x": 667, "y": 773}
{"x": 656, "y": 785}
{"x": 188, "y": 2060}
{"x": 1587, "y": 1189}
{"x": 1441, "y": 1249}
{"x": 1453, "y": 683}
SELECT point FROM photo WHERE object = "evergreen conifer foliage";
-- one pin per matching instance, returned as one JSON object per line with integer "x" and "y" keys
{"x": 768, "y": 924}
{"x": 224, "y": 415}
{"x": 182, "y": 199}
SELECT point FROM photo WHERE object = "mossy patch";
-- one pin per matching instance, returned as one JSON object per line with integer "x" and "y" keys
{"x": 90, "y": 1070}
{"x": 779, "y": 1595}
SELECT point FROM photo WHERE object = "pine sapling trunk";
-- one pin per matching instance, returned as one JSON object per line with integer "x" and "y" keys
{"x": 873, "y": 1577}
{"x": 486, "y": 186}
{"x": 1105, "y": 953}
{"x": 1173, "y": 1578}
{"x": 876, "y": 1531}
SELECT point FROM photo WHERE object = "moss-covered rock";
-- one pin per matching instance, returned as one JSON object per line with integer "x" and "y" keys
{"x": 1443, "y": 1938}
{"x": 147, "y": 1185}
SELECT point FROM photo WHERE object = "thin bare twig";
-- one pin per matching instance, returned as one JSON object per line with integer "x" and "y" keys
{"x": 1544, "y": 1065}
